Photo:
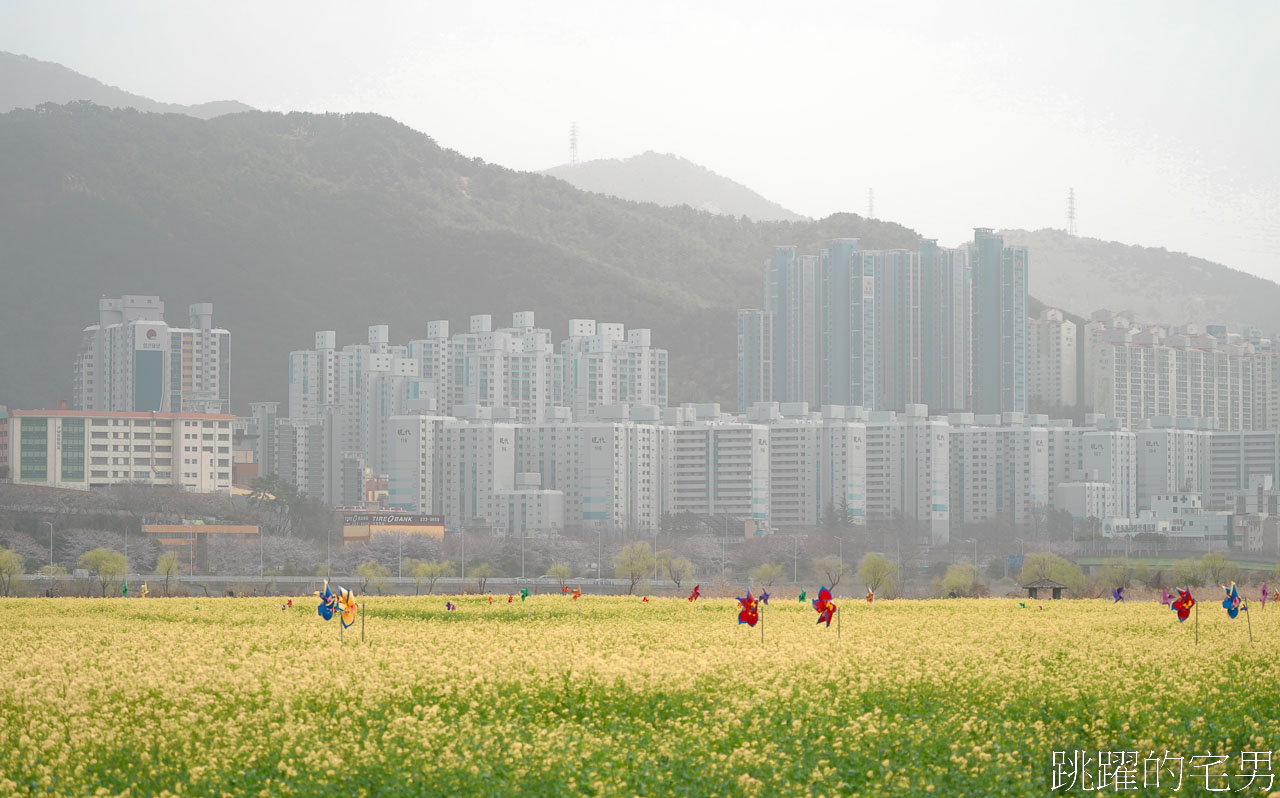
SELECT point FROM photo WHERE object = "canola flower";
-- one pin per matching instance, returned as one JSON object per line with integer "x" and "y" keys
{"x": 960, "y": 697}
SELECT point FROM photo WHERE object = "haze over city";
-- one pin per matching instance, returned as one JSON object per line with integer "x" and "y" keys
{"x": 639, "y": 399}
{"x": 955, "y": 114}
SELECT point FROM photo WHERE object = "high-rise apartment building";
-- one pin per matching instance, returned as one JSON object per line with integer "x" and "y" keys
{"x": 946, "y": 317}
{"x": 1051, "y": 359}
{"x": 908, "y": 473}
{"x": 999, "y": 324}
{"x": 999, "y": 469}
{"x": 133, "y": 361}
{"x": 880, "y": 329}
{"x": 755, "y": 358}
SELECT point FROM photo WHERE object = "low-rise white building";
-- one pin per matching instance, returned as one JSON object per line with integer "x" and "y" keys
{"x": 86, "y": 449}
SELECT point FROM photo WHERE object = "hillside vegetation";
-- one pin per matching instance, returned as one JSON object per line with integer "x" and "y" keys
{"x": 298, "y": 222}
{"x": 26, "y": 83}
{"x": 671, "y": 180}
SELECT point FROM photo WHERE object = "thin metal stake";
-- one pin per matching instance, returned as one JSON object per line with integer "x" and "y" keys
{"x": 362, "y": 622}
{"x": 1250, "y": 620}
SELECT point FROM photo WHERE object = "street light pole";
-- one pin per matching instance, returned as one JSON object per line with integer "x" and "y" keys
{"x": 522, "y": 555}
{"x": 328, "y": 553}
{"x": 50, "y": 525}
{"x": 400, "y": 559}
{"x": 795, "y": 560}
{"x": 599, "y": 551}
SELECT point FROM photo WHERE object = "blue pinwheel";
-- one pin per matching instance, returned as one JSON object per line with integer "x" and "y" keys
{"x": 1117, "y": 594}
{"x": 764, "y": 596}
{"x": 1233, "y": 603}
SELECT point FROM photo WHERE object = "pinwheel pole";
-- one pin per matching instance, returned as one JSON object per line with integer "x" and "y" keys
{"x": 362, "y": 622}
{"x": 1197, "y": 619}
{"x": 837, "y": 623}
{"x": 1250, "y": 621}
{"x": 761, "y": 606}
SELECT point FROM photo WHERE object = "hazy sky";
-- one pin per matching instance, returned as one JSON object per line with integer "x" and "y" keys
{"x": 1164, "y": 116}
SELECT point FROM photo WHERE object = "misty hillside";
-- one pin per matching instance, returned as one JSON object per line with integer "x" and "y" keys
{"x": 293, "y": 223}
{"x": 1085, "y": 274}
{"x": 26, "y": 83}
{"x": 671, "y": 180}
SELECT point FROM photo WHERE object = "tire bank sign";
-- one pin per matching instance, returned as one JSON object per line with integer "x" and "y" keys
{"x": 358, "y": 527}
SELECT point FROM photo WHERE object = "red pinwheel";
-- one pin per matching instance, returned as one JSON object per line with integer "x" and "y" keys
{"x": 749, "y": 613}
{"x": 577, "y": 593}
{"x": 871, "y": 595}
{"x": 645, "y": 600}
{"x": 510, "y": 598}
{"x": 825, "y": 606}
{"x": 1183, "y": 604}
{"x": 695, "y": 594}
{"x": 564, "y": 588}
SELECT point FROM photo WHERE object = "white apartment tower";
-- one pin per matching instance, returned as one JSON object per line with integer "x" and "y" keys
{"x": 1051, "y": 359}
{"x": 133, "y": 361}
{"x": 908, "y": 472}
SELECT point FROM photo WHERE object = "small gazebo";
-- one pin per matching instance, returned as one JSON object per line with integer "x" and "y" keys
{"x": 1033, "y": 588}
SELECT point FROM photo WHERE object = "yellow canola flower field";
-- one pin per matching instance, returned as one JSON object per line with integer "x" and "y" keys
{"x": 960, "y": 697}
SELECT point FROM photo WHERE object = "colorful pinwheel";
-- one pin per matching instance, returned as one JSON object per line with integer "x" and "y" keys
{"x": 695, "y": 594}
{"x": 1264, "y": 593}
{"x": 764, "y": 597}
{"x": 328, "y": 602}
{"x": 825, "y": 606}
{"x": 1165, "y": 597}
{"x": 524, "y": 593}
{"x": 511, "y": 598}
{"x": 564, "y": 588}
{"x": 871, "y": 595}
{"x": 1183, "y": 604}
{"x": 450, "y": 606}
{"x": 347, "y": 606}
{"x": 1117, "y": 594}
{"x": 644, "y": 600}
{"x": 490, "y": 601}
{"x": 146, "y": 593}
{"x": 749, "y": 613}
{"x": 802, "y": 593}
{"x": 1233, "y": 603}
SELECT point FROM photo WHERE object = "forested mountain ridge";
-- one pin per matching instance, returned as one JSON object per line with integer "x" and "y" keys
{"x": 666, "y": 179}
{"x": 26, "y": 83}
{"x": 1159, "y": 286}
{"x": 291, "y": 223}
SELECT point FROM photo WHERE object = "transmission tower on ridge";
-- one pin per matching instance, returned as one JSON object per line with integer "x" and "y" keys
{"x": 573, "y": 144}
{"x": 1071, "y": 211}
{"x": 871, "y": 203}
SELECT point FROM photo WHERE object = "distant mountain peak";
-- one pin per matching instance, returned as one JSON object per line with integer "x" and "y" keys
{"x": 670, "y": 180}
{"x": 26, "y": 82}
